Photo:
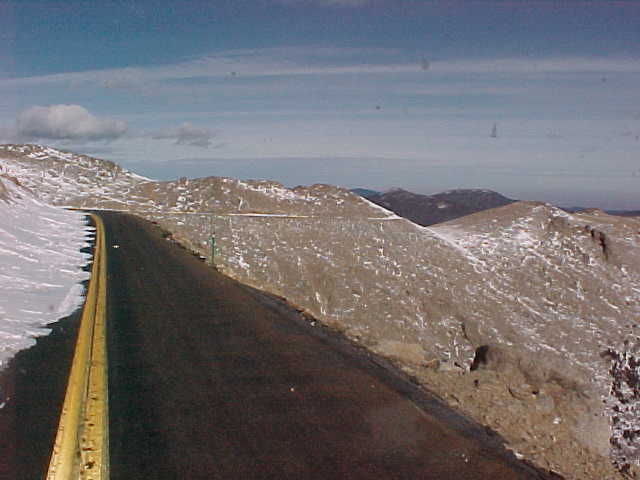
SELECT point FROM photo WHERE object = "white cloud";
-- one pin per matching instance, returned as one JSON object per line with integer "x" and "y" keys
{"x": 187, "y": 134}
{"x": 308, "y": 61}
{"x": 66, "y": 122}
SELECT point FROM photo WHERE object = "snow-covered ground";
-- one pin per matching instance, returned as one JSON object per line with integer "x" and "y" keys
{"x": 41, "y": 266}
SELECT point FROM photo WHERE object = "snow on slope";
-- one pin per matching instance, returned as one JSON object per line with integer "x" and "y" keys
{"x": 64, "y": 178}
{"x": 569, "y": 286}
{"x": 41, "y": 275}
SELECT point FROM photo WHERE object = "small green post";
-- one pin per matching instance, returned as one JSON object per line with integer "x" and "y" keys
{"x": 212, "y": 244}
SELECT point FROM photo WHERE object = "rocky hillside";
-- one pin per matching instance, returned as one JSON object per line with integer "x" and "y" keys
{"x": 428, "y": 210}
{"x": 524, "y": 317}
{"x": 65, "y": 178}
{"x": 568, "y": 287}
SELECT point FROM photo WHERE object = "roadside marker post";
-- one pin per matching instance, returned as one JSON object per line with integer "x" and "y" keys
{"x": 212, "y": 245}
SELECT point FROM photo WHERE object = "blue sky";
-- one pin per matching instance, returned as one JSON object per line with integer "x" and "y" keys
{"x": 370, "y": 93}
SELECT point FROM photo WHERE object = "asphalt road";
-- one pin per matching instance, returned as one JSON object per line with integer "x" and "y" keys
{"x": 32, "y": 390}
{"x": 210, "y": 379}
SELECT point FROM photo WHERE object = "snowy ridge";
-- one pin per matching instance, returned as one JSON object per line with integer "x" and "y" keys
{"x": 63, "y": 178}
{"x": 41, "y": 275}
{"x": 223, "y": 196}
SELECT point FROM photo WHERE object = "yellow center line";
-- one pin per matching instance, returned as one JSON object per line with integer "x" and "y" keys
{"x": 81, "y": 447}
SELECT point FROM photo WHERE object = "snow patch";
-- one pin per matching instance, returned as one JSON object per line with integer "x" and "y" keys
{"x": 42, "y": 266}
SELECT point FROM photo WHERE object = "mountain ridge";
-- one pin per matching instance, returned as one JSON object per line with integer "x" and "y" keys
{"x": 440, "y": 207}
{"x": 471, "y": 204}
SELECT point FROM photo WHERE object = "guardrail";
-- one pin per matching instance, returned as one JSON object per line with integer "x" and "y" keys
{"x": 81, "y": 448}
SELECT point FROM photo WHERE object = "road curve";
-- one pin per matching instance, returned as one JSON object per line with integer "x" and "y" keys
{"x": 209, "y": 379}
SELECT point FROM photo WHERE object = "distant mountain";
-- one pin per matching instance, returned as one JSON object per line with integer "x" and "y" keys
{"x": 624, "y": 213}
{"x": 618, "y": 213}
{"x": 440, "y": 207}
{"x": 364, "y": 192}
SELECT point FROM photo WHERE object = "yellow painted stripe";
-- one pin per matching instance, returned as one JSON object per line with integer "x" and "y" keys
{"x": 81, "y": 448}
